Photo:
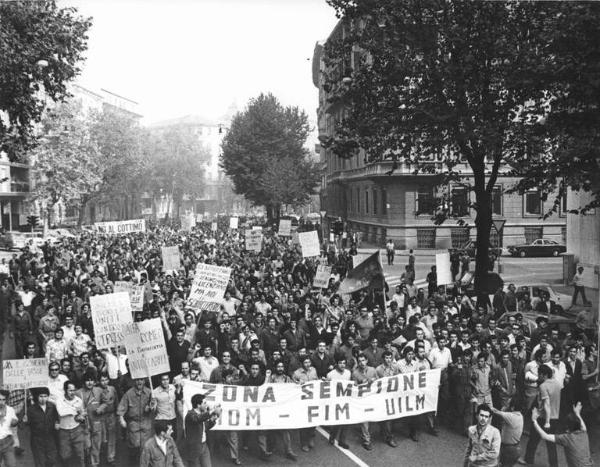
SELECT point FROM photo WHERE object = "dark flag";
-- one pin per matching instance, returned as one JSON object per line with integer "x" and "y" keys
{"x": 368, "y": 274}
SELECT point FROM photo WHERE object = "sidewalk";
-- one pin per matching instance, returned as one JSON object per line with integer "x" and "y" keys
{"x": 365, "y": 247}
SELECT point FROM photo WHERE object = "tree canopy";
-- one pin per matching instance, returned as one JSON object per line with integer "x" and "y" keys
{"x": 264, "y": 154}
{"x": 467, "y": 83}
{"x": 41, "y": 46}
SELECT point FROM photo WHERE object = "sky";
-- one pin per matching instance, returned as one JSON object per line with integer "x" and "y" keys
{"x": 197, "y": 57}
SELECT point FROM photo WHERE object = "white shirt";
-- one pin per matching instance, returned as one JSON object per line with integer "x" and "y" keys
{"x": 335, "y": 375}
{"x": 558, "y": 372}
{"x": 56, "y": 388}
{"x": 5, "y": 428}
{"x": 162, "y": 444}
{"x": 113, "y": 365}
{"x": 440, "y": 358}
{"x": 67, "y": 410}
{"x": 207, "y": 365}
{"x": 68, "y": 333}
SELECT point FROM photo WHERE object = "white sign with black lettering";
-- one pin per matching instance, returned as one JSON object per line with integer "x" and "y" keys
{"x": 146, "y": 350}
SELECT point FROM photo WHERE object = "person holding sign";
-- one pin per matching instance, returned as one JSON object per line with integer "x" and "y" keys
{"x": 197, "y": 422}
{"x": 42, "y": 418}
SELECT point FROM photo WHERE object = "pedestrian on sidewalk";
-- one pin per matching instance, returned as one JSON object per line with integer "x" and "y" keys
{"x": 390, "y": 252}
{"x": 577, "y": 282}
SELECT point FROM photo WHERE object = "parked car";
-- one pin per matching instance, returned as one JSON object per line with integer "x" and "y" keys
{"x": 469, "y": 248}
{"x": 539, "y": 247}
{"x": 563, "y": 301}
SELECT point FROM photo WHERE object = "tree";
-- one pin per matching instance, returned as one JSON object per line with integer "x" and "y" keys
{"x": 260, "y": 150}
{"x": 66, "y": 160}
{"x": 176, "y": 159}
{"x": 445, "y": 79}
{"x": 125, "y": 167}
{"x": 41, "y": 46}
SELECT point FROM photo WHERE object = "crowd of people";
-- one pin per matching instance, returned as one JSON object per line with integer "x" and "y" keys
{"x": 273, "y": 326}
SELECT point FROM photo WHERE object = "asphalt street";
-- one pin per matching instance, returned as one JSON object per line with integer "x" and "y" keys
{"x": 443, "y": 451}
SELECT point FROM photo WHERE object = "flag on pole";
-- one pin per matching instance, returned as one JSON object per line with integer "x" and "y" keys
{"x": 368, "y": 274}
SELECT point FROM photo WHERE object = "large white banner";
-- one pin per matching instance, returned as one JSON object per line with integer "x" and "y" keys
{"x": 208, "y": 287}
{"x": 321, "y": 279}
{"x": 233, "y": 222}
{"x": 171, "y": 258}
{"x": 121, "y": 227}
{"x": 254, "y": 240}
{"x": 109, "y": 313}
{"x": 285, "y": 227}
{"x": 442, "y": 267}
{"x": 25, "y": 373}
{"x": 309, "y": 241}
{"x": 291, "y": 406}
{"x": 146, "y": 350}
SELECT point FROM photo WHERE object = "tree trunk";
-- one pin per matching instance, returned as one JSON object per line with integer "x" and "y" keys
{"x": 84, "y": 201}
{"x": 483, "y": 224}
{"x": 273, "y": 212}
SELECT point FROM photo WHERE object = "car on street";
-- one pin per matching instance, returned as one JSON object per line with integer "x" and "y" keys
{"x": 539, "y": 247}
{"x": 469, "y": 249}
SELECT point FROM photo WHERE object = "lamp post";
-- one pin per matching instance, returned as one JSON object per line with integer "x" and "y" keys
{"x": 499, "y": 225}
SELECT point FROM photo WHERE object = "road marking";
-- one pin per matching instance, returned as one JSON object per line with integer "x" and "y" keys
{"x": 349, "y": 454}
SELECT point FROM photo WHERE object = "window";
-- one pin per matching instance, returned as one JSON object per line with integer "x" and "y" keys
{"x": 459, "y": 237}
{"x": 366, "y": 201}
{"x": 460, "y": 202}
{"x": 532, "y": 203}
{"x": 357, "y": 200}
{"x": 425, "y": 238}
{"x": 497, "y": 200}
{"x": 425, "y": 203}
{"x": 375, "y": 202}
{"x": 383, "y": 201}
{"x": 533, "y": 233}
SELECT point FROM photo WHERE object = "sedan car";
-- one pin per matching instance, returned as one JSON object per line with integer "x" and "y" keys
{"x": 539, "y": 247}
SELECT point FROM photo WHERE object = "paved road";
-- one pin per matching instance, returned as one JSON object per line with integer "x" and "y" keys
{"x": 446, "y": 450}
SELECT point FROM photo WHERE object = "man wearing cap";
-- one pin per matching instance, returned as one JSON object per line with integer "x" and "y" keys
{"x": 42, "y": 419}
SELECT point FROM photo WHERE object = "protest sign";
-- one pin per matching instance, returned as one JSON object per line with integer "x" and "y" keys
{"x": 442, "y": 267}
{"x": 257, "y": 227}
{"x": 121, "y": 227}
{"x": 360, "y": 257}
{"x": 322, "y": 277}
{"x": 109, "y": 313}
{"x": 199, "y": 218}
{"x": 253, "y": 240}
{"x": 295, "y": 238}
{"x": 291, "y": 406}
{"x": 137, "y": 298}
{"x": 123, "y": 286}
{"x": 146, "y": 350}
{"x": 135, "y": 292}
{"x": 188, "y": 222}
{"x": 213, "y": 226}
{"x": 233, "y": 222}
{"x": 4, "y": 269}
{"x": 208, "y": 287}
{"x": 25, "y": 373}
{"x": 309, "y": 241}
{"x": 285, "y": 227}
{"x": 171, "y": 258}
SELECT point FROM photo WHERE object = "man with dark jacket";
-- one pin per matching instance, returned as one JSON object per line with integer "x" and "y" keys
{"x": 197, "y": 422}
{"x": 41, "y": 418}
